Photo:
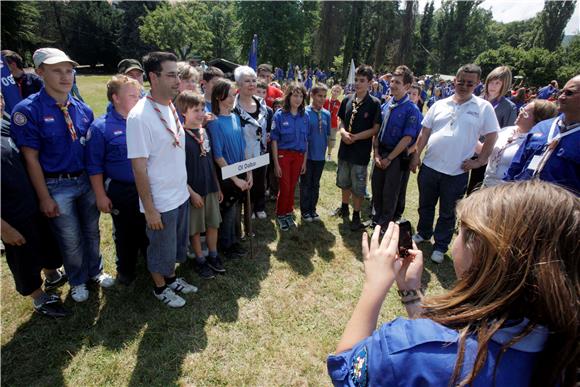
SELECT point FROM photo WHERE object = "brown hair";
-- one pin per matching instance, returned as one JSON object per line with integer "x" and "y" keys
{"x": 365, "y": 71}
{"x": 262, "y": 85}
{"x": 187, "y": 71}
{"x": 188, "y": 99}
{"x": 523, "y": 238}
{"x": 220, "y": 92}
{"x": 405, "y": 72}
{"x": 544, "y": 109}
{"x": 504, "y": 74}
{"x": 116, "y": 82}
{"x": 319, "y": 87}
{"x": 291, "y": 88}
{"x": 470, "y": 68}
{"x": 11, "y": 56}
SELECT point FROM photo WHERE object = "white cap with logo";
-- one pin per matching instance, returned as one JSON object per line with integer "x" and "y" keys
{"x": 50, "y": 55}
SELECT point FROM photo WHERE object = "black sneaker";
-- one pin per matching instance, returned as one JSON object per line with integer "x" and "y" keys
{"x": 215, "y": 263}
{"x": 237, "y": 250}
{"x": 340, "y": 212}
{"x": 62, "y": 278}
{"x": 124, "y": 280}
{"x": 356, "y": 224}
{"x": 52, "y": 307}
{"x": 204, "y": 270}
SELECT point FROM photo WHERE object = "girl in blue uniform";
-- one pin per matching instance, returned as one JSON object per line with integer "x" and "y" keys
{"x": 512, "y": 317}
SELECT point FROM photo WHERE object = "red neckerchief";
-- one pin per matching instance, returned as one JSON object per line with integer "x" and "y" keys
{"x": 199, "y": 140}
{"x": 177, "y": 122}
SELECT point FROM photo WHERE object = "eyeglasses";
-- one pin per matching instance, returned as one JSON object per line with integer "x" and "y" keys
{"x": 567, "y": 93}
{"x": 524, "y": 112}
{"x": 463, "y": 83}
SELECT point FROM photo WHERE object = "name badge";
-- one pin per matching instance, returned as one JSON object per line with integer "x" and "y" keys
{"x": 535, "y": 163}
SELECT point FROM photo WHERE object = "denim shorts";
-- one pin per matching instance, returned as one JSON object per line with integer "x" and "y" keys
{"x": 168, "y": 246}
{"x": 351, "y": 176}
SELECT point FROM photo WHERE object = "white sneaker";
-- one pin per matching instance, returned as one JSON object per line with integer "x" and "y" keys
{"x": 261, "y": 214}
{"x": 79, "y": 293}
{"x": 417, "y": 238}
{"x": 179, "y": 285}
{"x": 169, "y": 298}
{"x": 437, "y": 256}
{"x": 104, "y": 280}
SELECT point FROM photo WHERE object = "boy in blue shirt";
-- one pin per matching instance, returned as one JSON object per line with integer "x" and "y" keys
{"x": 318, "y": 132}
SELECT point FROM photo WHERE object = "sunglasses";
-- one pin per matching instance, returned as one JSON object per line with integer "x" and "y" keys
{"x": 524, "y": 112}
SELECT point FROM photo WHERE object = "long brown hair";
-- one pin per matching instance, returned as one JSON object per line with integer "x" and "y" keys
{"x": 291, "y": 88}
{"x": 523, "y": 238}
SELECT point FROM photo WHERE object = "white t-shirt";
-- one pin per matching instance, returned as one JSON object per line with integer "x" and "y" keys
{"x": 502, "y": 155}
{"x": 147, "y": 137}
{"x": 455, "y": 130}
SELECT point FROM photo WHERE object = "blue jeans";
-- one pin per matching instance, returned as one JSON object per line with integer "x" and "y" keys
{"x": 77, "y": 227}
{"x": 310, "y": 186}
{"x": 448, "y": 190}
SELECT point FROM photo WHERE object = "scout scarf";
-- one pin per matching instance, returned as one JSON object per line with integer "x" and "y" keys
{"x": 355, "y": 105}
{"x": 247, "y": 120}
{"x": 553, "y": 141}
{"x": 203, "y": 149}
{"x": 392, "y": 105}
{"x": 175, "y": 135}
{"x": 69, "y": 124}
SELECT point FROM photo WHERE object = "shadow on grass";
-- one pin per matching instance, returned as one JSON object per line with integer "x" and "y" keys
{"x": 41, "y": 349}
{"x": 444, "y": 271}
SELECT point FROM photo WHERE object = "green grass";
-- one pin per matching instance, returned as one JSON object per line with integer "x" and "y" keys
{"x": 271, "y": 320}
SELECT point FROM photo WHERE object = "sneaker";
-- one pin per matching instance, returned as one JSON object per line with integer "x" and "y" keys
{"x": 315, "y": 217}
{"x": 62, "y": 278}
{"x": 124, "y": 280}
{"x": 215, "y": 263}
{"x": 104, "y": 280}
{"x": 290, "y": 220}
{"x": 356, "y": 224}
{"x": 437, "y": 256}
{"x": 79, "y": 293}
{"x": 190, "y": 254}
{"x": 169, "y": 298}
{"x": 307, "y": 218}
{"x": 261, "y": 214}
{"x": 52, "y": 307}
{"x": 340, "y": 213}
{"x": 204, "y": 271}
{"x": 238, "y": 250}
{"x": 282, "y": 222}
{"x": 417, "y": 238}
{"x": 328, "y": 158}
{"x": 179, "y": 285}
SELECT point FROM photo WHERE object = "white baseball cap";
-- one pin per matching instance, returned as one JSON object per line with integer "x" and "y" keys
{"x": 50, "y": 55}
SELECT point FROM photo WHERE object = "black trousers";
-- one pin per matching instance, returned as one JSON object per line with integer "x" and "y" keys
{"x": 40, "y": 251}
{"x": 129, "y": 232}
{"x": 402, "y": 195}
{"x": 385, "y": 185}
{"x": 475, "y": 179}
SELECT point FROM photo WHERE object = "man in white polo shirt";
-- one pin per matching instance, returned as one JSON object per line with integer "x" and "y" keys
{"x": 451, "y": 130}
{"x": 156, "y": 147}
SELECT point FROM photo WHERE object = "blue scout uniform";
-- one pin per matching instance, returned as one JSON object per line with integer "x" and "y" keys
{"x": 290, "y": 131}
{"x": 400, "y": 119}
{"x": 107, "y": 155}
{"x": 318, "y": 132}
{"x": 546, "y": 92}
{"x": 38, "y": 123}
{"x": 421, "y": 352}
{"x": 559, "y": 166}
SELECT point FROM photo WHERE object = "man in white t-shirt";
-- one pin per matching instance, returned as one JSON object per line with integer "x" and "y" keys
{"x": 451, "y": 130}
{"x": 156, "y": 147}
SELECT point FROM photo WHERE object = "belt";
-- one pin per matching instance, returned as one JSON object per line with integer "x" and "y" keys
{"x": 62, "y": 175}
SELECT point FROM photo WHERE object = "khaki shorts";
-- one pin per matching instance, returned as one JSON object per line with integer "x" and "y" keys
{"x": 352, "y": 177}
{"x": 205, "y": 217}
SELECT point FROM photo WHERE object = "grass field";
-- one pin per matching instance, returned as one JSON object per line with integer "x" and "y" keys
{"x": 270, "y": 321}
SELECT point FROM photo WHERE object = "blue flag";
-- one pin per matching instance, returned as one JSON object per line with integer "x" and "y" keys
{"x": 253, "y": 56}
{"x": 290, "y": 75}
{"x": 9, "y": 89}
{"x": 308, "y": 83}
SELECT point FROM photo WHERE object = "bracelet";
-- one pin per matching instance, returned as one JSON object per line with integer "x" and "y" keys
{"x": 411, "y": 292}
{"x": 411, "y": 301}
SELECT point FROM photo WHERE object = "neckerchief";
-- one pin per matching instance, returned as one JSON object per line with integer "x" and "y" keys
{"x": 175, "y": 135}
{"x": 260, "y": 124}
{"x": 392, "y": 105}
{"x": 355, "y": 105}
{"x": 200, "y": 140}
{"x": 69, "y": 124}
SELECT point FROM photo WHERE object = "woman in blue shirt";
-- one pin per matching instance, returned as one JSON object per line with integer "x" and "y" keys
{"x": 289, "y": 143}
{"x": 514, "y": 306}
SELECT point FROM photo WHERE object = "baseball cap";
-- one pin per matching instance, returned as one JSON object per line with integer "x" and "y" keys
{"x": 50, "y": 55}
{"x": 127, "y": 65}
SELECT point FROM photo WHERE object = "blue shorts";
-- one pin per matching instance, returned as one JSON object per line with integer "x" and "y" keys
{"x": 352, "y": 177}
{"x": 168, "y": 246}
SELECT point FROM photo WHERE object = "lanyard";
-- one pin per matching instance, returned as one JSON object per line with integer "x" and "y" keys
{"x": 355, "y": 105}
{"x": 553, "y": 142}
{"x": 175, "y": 135}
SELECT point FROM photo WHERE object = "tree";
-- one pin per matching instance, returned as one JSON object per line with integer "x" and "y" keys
{"x": 424, "y": 44}
{"x": 130, "y": 43}
{"x": 221, "y": 19}
{"x": 551, "y": 22}
{"x": 352, "y": 39}
{"x": 404, "y": 53}
{"x": 180, "y": 28}
{"x": 329, "y": 37}
{"x": 387, "y": 30}
{"x": 20, "y": 26}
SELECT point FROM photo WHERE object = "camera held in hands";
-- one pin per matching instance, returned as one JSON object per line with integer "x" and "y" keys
{"x": 405, "y": 237}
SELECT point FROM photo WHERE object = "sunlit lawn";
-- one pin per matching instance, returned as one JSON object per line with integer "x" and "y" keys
{"x": 271, "y": 320}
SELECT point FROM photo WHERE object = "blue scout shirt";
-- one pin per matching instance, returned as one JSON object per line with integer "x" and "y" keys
{"x": 227, "y": 138}
{"x": 38, "y": 123}
{"x": 106, "y": 151}
{"x": 402, "y": 122}
{"x": 422, "y": 352}
{"x": 563, "y": 165}
{"x": 318, "y": 132}
{"x": 290, "y": 131}
{"x": 207, "y": 107}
